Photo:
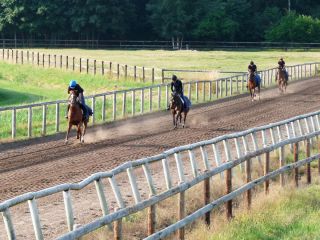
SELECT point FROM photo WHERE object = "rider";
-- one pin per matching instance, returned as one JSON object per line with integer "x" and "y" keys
{"x": 282, "y": 64}
{"x": 73, "y": 85}
{"x": 252, "y": 67}
{"x": 176, "y": 86}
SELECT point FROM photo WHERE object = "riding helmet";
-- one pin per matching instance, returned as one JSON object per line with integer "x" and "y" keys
{"x": 72, "y": 84}
{"x": 251, "y": 62}
{"x": 174, "y": 77}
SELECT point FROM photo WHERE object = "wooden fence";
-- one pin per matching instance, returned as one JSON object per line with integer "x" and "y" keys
{"x": 46, "y": 117}
{"x": 82, "y": 65}
{"x": 241, "y": 149}
{"x": 149, "y": 44}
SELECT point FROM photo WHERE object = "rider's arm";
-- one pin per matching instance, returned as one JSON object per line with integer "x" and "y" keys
{"x": 171, "y": 86}
{"x": 79, "y": 89}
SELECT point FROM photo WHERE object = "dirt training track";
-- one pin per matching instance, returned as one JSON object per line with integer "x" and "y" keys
{"x": 40, "y": 163}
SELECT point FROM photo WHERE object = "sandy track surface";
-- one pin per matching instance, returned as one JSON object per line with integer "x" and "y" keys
{"x": 44, "y": 162}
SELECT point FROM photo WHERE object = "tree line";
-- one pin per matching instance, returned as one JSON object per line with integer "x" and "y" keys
{"x": 216, "y": 20}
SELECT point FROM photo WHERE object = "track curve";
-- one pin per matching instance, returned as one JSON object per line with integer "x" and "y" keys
{"x": 35, "y": 164}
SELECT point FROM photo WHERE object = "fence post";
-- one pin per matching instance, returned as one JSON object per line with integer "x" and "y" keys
{"x": 143, "y": 74}
{"x": 162, "y": 75}
{"x": 16, "y": 56}
{"x": 44, "y": 120}
{"x": 14, "y": 123}
{"x": 125, "y": 71}
{"x": 249, "y": 192}
{"x": 281, "y": 164}
{"x": 102, "y": 67}
{"x": 49, "y": 60}
{"x": 94, "y": 67}
{"x": 296, "y": 159}
{"x": 228, "y": 190}
{"x": 80, "y": 65}
{"x": 67, "y": 62}
{"x": 110, "y": 68}
{"x": 181, "y": 214}
{"x": 206, "y": 196}
{"x": 308, "y": 164}
{"x": 266, "y": 171}
{"x": 117, "y": 229}
{"x": 42, "y": 59}
{"x": 57, "y": 117}
{"x": 151, "y": 219}
{"x": 30, "y": 122}
{"x": 118, "y": 70}
{"x": 21, "y": 57}
{"x": 73, "y": 60}
{"x": 152, "y": 75}
{"x": 60, "y": 61}
{"x": 55, "y": 61}
{"x": 135, "y": 72}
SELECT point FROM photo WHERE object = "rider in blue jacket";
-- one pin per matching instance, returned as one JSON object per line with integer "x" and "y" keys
{"x": 73, "y": 85}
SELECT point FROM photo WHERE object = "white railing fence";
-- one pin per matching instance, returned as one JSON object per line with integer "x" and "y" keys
{"x": 206, "y": 159}
{"x": 48, "y": 117}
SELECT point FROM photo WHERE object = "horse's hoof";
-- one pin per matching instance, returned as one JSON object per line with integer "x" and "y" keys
{"x": 183, "y": 126}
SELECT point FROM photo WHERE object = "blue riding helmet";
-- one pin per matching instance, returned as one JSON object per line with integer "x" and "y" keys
{"x": 72, "y": 84}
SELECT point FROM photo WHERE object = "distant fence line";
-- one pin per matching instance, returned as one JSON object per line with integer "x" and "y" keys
{"x": 303, "y": 129}
{"x": 43, "y": 118}
{"x": 82, "y": 65}
{"x": 149, "y": 44}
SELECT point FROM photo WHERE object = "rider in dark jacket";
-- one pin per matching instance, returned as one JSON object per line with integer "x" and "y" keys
{"x": 73, "y": 85}
{"x": 176, "y": 85}
{"x": 252, "y": 67}
{"x": 282, "y": 64}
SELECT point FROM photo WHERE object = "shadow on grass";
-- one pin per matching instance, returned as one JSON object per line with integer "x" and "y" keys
{"x": 9, "y": 97}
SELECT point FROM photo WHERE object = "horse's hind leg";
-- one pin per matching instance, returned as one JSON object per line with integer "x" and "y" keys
{"x": 84, "y": 131}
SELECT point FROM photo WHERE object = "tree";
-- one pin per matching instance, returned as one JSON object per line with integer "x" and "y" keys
{"x": 295, "y": 28}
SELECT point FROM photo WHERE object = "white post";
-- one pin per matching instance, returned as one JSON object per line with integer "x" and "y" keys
{"x": 193, "y": 162}
{"x": 134, "y": 186}
{"x": 147, "y": 173}
{"x": 44, "y": 120}
{"x": 35, "y": 219}
{"x": 68, "y": 208}
{"x": 30, "y": 122}
{"x": 179, "y": 167}
{"x": 166, "y": 171}
{"x": 8, "y": 224}
{"x": 14, "y": 123}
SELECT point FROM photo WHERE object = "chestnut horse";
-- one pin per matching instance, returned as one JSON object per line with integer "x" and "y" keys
{"x": 281, "y": 78}
{"x": 75, "y": 117}
{"x": 177, "y": 109}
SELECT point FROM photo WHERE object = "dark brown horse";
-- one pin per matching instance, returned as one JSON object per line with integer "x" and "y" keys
{"x": 281, "y": 78}
{"x": 177, "y": 109}
{"x": 252, "y": 85}
{"x": 75, "y": 117}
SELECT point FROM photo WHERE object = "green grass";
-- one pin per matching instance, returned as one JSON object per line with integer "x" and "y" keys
{"x": 188, "y": 59}
{"x": 292, "y": 215}
{"x": 21, "y": 84}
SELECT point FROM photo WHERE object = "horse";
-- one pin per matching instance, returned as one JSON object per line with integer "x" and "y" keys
{"x": 252, "y": 85}
{"x": 282, "y": 81}
{"x": 177, "y": 109}
{"x": 75, "y": 117}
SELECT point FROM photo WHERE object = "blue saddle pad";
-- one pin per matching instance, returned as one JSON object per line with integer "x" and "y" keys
{"x": 258, "y": 80}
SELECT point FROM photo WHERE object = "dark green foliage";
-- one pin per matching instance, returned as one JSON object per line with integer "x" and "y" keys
{"x": 219, "y": 20}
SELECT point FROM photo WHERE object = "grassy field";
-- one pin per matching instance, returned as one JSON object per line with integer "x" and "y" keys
{"x": 20, "y": 84}
{"x": 291, "y": 214}
{"x": 188, "y": 59}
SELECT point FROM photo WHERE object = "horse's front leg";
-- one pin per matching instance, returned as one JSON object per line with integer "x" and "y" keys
{"x": 174, "y": 118}
{"x": 68, "y": 131}
{"x": 184, "y": 119}
{"x": 177, "y": 118}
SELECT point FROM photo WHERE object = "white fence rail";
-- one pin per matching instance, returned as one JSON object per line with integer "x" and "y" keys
{"x": 47, "y": 117}
{"x": 249, "y": 144}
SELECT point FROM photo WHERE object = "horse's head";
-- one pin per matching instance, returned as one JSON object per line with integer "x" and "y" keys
{"x": 175, "y": 100}
{"x": 251, "y": 76}
{"x": 73, "y": 98}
